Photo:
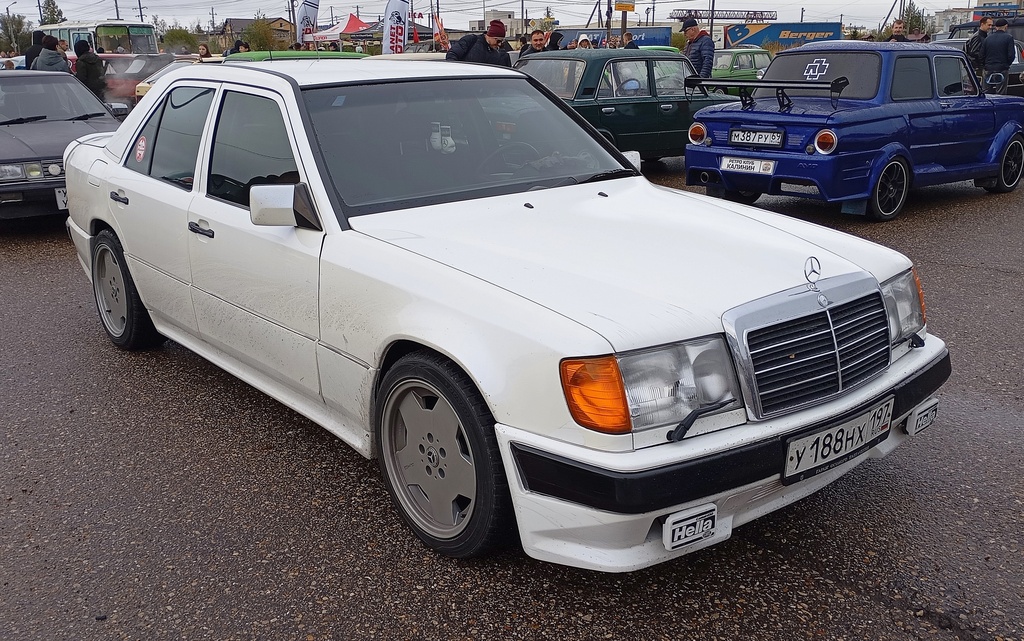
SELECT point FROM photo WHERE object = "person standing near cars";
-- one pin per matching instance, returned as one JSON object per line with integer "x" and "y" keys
{"x": 484, "y": 47}
{"x": 536, "y": 43}
{"x": 628, "y": 39}
{"x": 89, "y": 69}
{"x": 49, "y": 59}
{"x": 898, "y": 27}
{"x": 973, "y": 46}
{"x": 999, "y": 52}
{"x": 33, "y": 51}
{"x": 700, "y": 49}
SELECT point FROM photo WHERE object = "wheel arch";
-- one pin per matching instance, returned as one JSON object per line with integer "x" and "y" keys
{"x": 1001, "y": 139}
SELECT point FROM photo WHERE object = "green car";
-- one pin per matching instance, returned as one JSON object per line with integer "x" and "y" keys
{"x": 260, "y": 56}
{"x": 740, "y": 64}
{"x": 635, "y": 97}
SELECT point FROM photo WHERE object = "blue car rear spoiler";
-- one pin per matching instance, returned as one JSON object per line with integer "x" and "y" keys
{"x": 835, "y": 88}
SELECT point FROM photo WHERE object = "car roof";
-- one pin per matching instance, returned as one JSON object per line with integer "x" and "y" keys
{"x": 312, "y": 72}
{"x": 863, "y": 45}
{"x": 259, "y": 56}
{"x": 602, "y": 54}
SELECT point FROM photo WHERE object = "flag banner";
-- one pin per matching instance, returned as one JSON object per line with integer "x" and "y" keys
{"x": 440, "y": 37}
{"x": 305, "y": 18}
{"x": 395, "y": 33}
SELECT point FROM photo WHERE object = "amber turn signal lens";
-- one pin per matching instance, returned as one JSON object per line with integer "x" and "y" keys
{"x": 826, "y": 141}
{"x": 920, "y": 295}
{"x": 698, "y": 133}
{"x": 595, "y": 394}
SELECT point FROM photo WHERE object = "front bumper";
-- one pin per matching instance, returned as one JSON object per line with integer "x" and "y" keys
{"x": 25, "y": 199}
{"x": 585, "y": 514}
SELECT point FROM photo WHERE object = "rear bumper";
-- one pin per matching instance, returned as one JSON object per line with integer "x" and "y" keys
{"x": 579, "y": 513}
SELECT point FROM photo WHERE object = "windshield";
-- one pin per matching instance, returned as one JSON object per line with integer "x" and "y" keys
{"x": 123, "y": 39}
{"x": 560, "y": 75}
{"x": 723, "y": 60}
{"x": 404, "y": 144}
{"x": 861, "y": 68}
{"x": 46, "y": 98}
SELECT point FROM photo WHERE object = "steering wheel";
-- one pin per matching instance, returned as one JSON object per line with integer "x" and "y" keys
{"x": 629, "y": 87}
{"x": 523, "y": 150}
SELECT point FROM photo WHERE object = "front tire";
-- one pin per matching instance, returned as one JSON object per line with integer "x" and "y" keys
{"x": 124, "y": 317}
{"x": 1010, "y": 167}
{"x": 890, "y": 191}
{"x": 440, "y": 459}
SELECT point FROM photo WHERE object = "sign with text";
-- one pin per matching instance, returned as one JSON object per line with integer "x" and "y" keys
{"x": 625, "y": 6}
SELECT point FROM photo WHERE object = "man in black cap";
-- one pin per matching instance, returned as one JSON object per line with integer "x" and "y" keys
{"x": 483, "y": 47}
{"x": 700, "y": 49}
{"x": 999, "y": 52}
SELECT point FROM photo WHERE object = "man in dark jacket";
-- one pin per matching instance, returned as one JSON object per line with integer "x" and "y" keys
{"x": 974, "y": 45}
{"x": 485, "y": 47}
{"x": 89, "y": 69}
{"x": 627, "y": 38}
{"x": 536, "y": 44}
{"x": 49, "y": 59}
{"x": 33, "y": 51}
{"x": 700, "y": 49}
{"x": 999, "y": 51}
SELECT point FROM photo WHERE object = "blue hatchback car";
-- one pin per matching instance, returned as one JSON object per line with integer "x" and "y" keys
{"x": 857, "y": 123}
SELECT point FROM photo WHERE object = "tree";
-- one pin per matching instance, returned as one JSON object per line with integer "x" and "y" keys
{"x": 15, "y": 32}
{"x": 914, "y": 18}
{"x": 51, "y": 13}
{"x": 175, "y": 38}
{"x": 259, "y": 34}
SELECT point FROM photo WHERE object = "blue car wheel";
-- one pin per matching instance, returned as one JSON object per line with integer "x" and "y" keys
{"x": 1010, "y": 167}
{"x": 890, "y": 191}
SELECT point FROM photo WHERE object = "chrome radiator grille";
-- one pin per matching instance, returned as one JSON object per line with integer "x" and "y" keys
{"x": 807, "y": 359}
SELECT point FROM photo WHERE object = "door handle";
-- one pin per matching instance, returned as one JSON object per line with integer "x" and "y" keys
{"x": 945, "y": 105}
{"x": 608, "y": 110}
{"x": 667, "y": 107}
{"x": 121, "y": 199}
{"x": 196, "y": 229}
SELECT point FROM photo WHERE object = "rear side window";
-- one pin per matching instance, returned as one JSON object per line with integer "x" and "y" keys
{"x": 624, "y": 79}
{"x": 912, "y": 78}
{"x": 168, "y": 146}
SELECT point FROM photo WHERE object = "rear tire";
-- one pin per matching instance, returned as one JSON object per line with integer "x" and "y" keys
{"x": 1010, "y": 167}
{"x": 890, "y": 191}
{"x": 124, "y": 317}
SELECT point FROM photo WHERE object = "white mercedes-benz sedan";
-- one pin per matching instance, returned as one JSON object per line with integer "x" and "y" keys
{"x": 446, "y": 267}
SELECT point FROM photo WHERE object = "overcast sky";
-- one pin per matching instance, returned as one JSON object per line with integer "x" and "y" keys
{"x": 458, "y": 13}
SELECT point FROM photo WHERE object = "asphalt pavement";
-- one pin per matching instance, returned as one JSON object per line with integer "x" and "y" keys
{"x": 153, "y": 496}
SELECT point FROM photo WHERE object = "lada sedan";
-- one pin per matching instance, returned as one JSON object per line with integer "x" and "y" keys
{"x": 445, "y": 267}
{"x": 40, "y": 113}
{"x": 860, "y": 124}
{"x": 635, "y": 97}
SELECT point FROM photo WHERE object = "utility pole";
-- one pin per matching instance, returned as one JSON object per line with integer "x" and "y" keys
{"x": 141, "y": 19}
{"x": 213, "y": 21}
{"x": 39, "y": 3}
{"x": 357, "y": 10}
{"x": 117, "y": 11}
{"x": 801, "y": 14}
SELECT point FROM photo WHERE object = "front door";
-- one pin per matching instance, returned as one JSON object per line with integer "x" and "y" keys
{"x": 254, "y": 287}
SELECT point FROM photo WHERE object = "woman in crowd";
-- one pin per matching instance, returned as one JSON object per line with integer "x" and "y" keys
{"x": 204, "y": 51}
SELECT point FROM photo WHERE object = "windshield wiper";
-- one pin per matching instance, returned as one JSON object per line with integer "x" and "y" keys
{"x": 88, "y": 116}
{"x": 18, "y": 121}
{"x": 609, "y": 175}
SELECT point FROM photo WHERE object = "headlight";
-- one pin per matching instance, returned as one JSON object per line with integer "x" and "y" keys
{"x": 12, "y": 172}
{"x": 34, "y": 170}
{"x": 652, "y": 388}
{"x": 904, "y": 304}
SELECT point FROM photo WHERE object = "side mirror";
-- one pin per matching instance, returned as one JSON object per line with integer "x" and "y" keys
{"x": 633, "y": 157}
{"x": 282, "y": 206}
{"x": 119, "y": 109}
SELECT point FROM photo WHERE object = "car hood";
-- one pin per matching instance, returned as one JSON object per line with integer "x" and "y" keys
{"x": 47, "y": 139}
{"x": 638, "y": 264}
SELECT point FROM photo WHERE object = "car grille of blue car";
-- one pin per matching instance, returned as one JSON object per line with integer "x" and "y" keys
{"x": 808, "y": 359}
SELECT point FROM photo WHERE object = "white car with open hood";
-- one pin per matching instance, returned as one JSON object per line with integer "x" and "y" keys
{"x": 446, "y": 267}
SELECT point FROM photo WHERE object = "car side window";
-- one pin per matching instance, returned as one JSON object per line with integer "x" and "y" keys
{"x": 167, "y": 148}
{"x": 744, "y": 61}
{"x": 954, "y": 78}
{"x": 249, "y": 151}
{"x": 761, "y": 60}
{"x": 624, "y": 79}
{"x": 912, "y": 78}
{"x": 669, "y": 77}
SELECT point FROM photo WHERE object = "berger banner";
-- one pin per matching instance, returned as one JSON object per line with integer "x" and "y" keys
{"x": 396, "y": 16}
{"x": 305, "y": 18}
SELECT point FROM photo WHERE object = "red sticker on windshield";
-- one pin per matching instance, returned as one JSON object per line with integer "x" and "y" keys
{"x": 140, "y": 149}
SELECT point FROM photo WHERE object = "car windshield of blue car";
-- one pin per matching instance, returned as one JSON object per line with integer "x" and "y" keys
{"x": 393, "y": 145}
{"x": 53, "y": 96}
{"x": 861, "y": 68}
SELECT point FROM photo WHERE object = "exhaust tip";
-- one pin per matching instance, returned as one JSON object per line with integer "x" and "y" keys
{"x": 704, "y": 177}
